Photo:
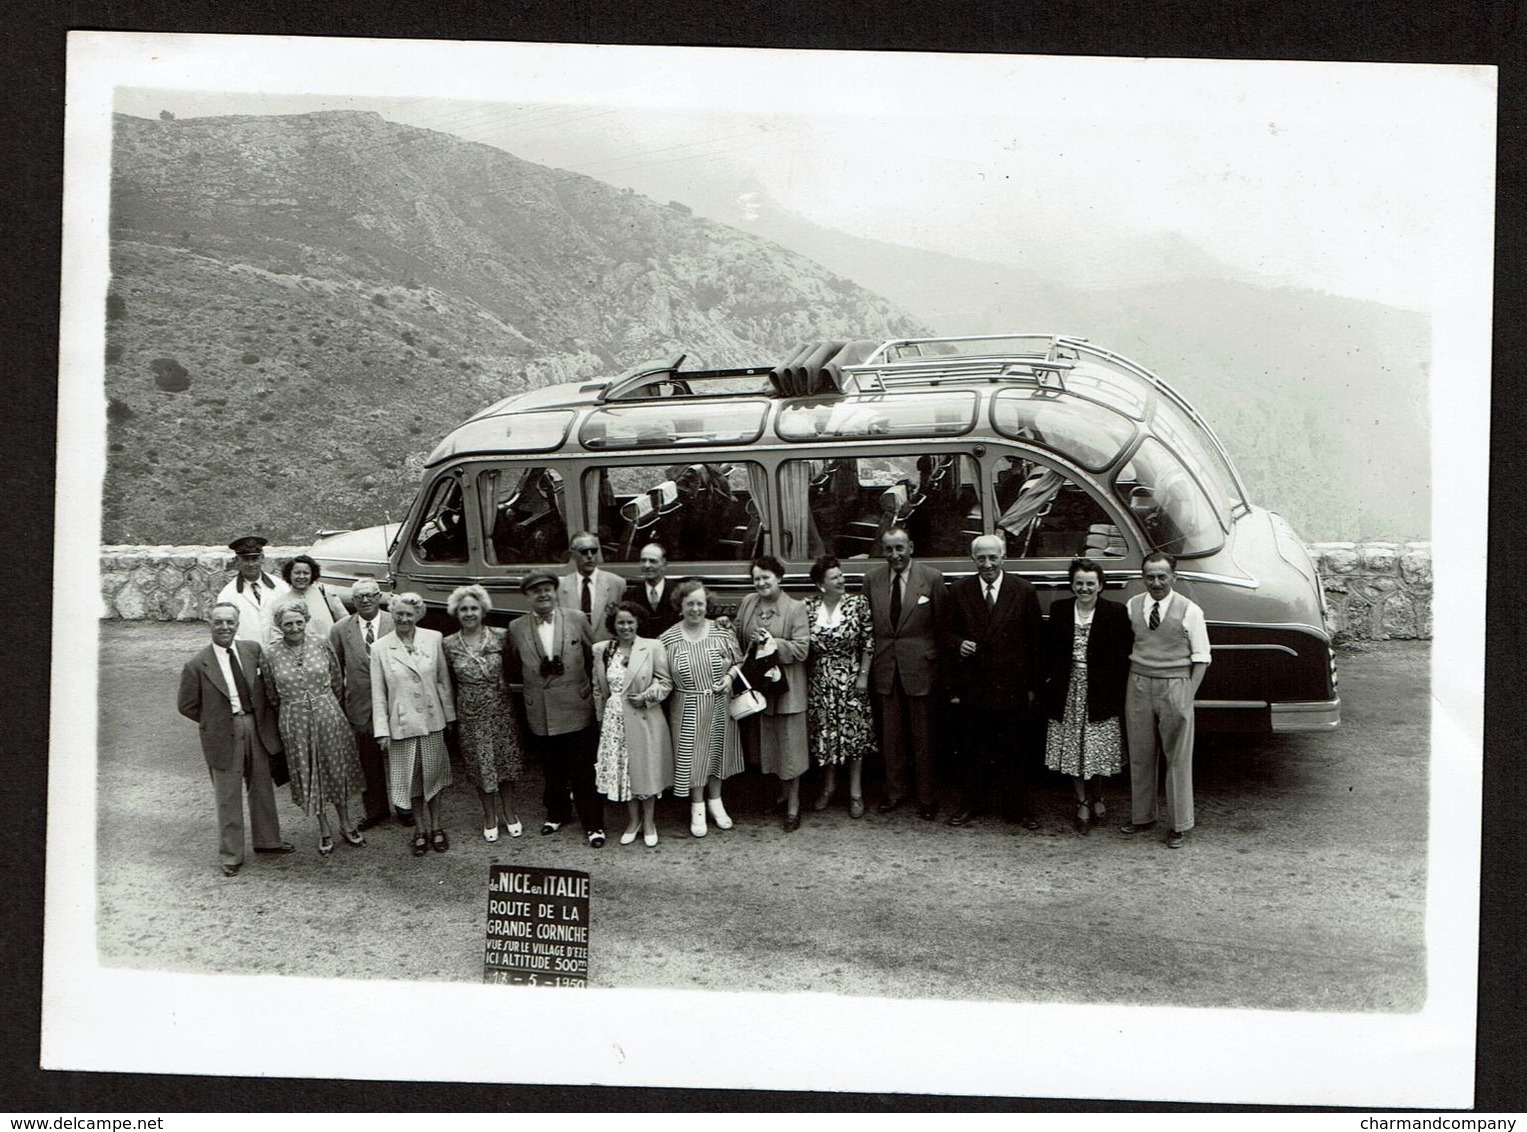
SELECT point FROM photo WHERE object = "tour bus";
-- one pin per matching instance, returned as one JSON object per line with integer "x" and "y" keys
{"x": 1062, "y": 448}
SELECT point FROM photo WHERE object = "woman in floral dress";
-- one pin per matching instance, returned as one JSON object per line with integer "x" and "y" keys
{"x": 1085, "y": 663}
{"x": 303, "y": 680}
{"x": 838, "y": 711}
{"x": 706, "y": 751}
{"x": 489, "y": 735}
{"x": 635, "y": 759}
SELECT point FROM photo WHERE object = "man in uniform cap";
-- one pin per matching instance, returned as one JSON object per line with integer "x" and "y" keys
{"x": 252, "y": 591}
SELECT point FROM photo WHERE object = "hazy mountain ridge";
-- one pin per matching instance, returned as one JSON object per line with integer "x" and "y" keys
{"x": 302, "y": 305}
{"x": 1321, "y": 400}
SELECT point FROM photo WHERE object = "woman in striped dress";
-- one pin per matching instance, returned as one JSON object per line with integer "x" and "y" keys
{"x": 706, "y": 749}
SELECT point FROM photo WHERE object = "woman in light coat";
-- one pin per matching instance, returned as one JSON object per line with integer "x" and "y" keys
{"x": 631, "y": 681}
{"x": 411, "y": 703}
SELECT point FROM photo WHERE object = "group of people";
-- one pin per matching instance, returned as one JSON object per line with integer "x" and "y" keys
{"x": 630, "y": 692}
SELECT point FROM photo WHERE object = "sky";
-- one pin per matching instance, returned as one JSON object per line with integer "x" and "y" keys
{"x": 1339, "y": 177}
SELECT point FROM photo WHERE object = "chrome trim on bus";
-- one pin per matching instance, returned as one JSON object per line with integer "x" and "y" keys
{"x": 1255, "y": 648}
{"x": 1313, "y": 715}
{"x": 1220, "y": 579}
{"x": 1237, "y": 705}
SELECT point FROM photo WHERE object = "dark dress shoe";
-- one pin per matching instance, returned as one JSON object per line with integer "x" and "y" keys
{"x": 230, "y": 870}
{"x": 927, "y": 813}
{"x": 888, "y": 805}
{"x": 792, "y": 822}
{"x": 596, "y": 839}
{"x": 1030, "y": 823}
{"x": 269, "y": 850}
{"x": 406, "y": 818}
{"x": 964, "y": 817}
{"x": 370, "y": 823}
{"x": 440, "y": 841}
{"x": 550, "y": 827}
{"x": 1132, "y": 828}
{"x": 1174, "y": 839}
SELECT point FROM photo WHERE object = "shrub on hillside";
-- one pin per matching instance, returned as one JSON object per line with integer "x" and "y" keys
{"x": 170, "y": 375}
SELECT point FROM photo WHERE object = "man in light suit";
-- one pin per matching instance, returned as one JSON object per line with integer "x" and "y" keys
{"x": 907, "y": 609}
{"x": 221, "y": 691}
{"x": 351, "y": 639}
{"x": 653, "y": 592}
{"x": 588, "y": 590}
{"x": 994, "y": 632}
{"x": 252, "y": 591}
{"x": 550, "y": 654}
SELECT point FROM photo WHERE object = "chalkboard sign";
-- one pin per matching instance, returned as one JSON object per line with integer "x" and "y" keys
{"x": 538, "y": 927}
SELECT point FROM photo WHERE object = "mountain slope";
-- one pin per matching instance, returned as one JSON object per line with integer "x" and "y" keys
{"x": 300, "y": 306}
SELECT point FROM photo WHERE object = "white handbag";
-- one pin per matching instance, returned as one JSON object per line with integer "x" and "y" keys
{"x": 749, "y": 701}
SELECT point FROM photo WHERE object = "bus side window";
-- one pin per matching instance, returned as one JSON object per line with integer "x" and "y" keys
{"x": 442, "y": 533}
{"x": 842, "y": 506}
{"x": 523, "y": 514}
{"x": 1044, "y": 515}
{"x": 696, "y": 512}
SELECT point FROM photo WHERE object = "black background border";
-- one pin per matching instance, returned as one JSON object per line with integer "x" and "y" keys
{"x": 32, "y": 47}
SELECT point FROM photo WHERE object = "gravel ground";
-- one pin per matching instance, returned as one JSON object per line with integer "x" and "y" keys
{"x": 1303, "y": 887}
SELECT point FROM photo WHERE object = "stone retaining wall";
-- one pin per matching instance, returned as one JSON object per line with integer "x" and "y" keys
{"x": 1374, "y": 590}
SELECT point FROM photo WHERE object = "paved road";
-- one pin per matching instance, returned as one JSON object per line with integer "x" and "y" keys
{"x": 1302, "y": 888}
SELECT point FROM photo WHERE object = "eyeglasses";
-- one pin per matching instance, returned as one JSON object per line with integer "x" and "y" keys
{"x": 587, "y": 549}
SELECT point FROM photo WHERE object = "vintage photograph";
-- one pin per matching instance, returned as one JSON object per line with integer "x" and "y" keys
{"x": 961, "y": 574}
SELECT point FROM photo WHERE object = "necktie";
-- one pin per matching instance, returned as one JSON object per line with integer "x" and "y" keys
{"x": 1155, "y": 621}
{"x": 587, "y": 605}
{"x": 246, "y": 698}
{"x": 895, "y": 599}
{"x": 370, "y": 635}
{"x": 991, "y": 596}
{"x": 255, "y": 586}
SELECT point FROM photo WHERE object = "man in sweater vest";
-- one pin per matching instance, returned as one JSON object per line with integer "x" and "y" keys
{"x": 1166, "y": 666}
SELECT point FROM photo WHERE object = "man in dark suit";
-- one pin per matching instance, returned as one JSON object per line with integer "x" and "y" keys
{"x": 653, "y": 592}
{"x": 221, "y": 691}
{"x": 906, "y": 607}
{"x": 994, "y": 638}
{"x": 550, "y": 654}
{"x": 351, "y": 639}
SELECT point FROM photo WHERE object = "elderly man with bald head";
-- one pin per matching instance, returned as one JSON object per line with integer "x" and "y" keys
{"x": 994, "y": 636}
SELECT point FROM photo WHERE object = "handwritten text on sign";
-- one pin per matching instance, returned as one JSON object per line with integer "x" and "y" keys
{"x": 538, "y": 927}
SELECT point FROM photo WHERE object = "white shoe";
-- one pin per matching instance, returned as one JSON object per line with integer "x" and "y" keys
{"x": 516, "y": 828}
{"x": 718, "y": 813}
{"x": 628, "y": 837}
{"x": 490, "y": 833}
{"x": 650, "y": 839}
{"x": 697, "y": 818}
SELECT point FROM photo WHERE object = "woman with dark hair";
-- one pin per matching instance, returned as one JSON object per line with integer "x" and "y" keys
{"x": 771, "y": 626}
{"x": 411, "y": 702}
{"x": 303, "y": 680}
{"x": 706, "y": 751}
{"x": 489, "y": 735}
{"x": 302, "y": 574}
{"x": 840, "y": 721}
{"x": 635, "y": 760}
{"x": 1085, "y": 661}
